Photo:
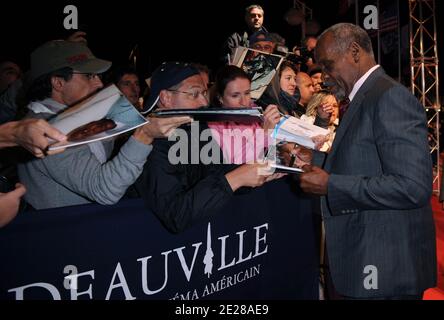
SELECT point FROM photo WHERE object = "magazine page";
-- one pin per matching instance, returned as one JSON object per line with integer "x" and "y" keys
{"x": 244, "y": 115}
{"x": 104, "y": 115}
{"x": 239, "y": 55}
{"x": 292, "y": 129}
{"x": 260, "y": 66}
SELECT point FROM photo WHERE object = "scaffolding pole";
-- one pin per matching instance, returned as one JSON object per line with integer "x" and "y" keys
{"x": 424, "y": 72}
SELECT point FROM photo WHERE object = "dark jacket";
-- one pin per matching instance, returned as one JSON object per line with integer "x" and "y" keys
{"x": 238, "y": 39}
{"x": 180, "y": 194}
{"x": 377, "y": 211}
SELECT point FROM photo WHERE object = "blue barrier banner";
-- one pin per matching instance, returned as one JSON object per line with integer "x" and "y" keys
{"x": 261, "y": 245}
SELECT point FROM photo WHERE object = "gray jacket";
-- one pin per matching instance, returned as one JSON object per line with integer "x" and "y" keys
{"x": 82, "y": 174}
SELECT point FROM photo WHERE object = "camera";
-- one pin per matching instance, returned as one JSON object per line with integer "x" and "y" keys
{"x": 301, "y": 58}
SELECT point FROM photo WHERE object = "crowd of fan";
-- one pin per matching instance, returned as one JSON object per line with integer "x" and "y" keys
{"x": 64, "y": 72}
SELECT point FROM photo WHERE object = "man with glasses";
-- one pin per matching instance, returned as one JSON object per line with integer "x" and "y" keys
{"x": 62, "y": 74}
{"x": 176, "y": 85}
{"x": 182, "y": 193}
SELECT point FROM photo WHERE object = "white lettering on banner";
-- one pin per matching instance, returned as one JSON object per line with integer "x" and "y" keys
{"x": 188, "y": 266}
{"x": 183, "y": 263}
{"x": 208, "y": 259}
{"x": 227, "y": 282}
{"x": 241, "y": 247}
{"x": 144, "y": 261}
{"x": 71, "y": 22}
{"x": 259, "y": 240}
{"x": 19, "y": 292}
{"x": 122, "y": 284}
{"x": 74, "y": 279}
{"x": 222, "y": 255}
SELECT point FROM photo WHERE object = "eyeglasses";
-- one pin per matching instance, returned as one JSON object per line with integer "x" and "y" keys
{"x": 266, "y": 48}
{"x": 90, "y": 76}
{"x": 194, "y": 94}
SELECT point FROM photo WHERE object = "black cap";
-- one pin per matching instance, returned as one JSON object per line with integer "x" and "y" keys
{"x": 167, "y": 75}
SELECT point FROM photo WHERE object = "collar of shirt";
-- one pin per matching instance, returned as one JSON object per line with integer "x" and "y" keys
{"x": 360, "y": 82}
{"x": 47, "y": 106}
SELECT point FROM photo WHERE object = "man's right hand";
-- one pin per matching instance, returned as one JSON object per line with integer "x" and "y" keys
{"x": 251, "y": 175}
{"x": 33, "y": 135}
{"x": 9, "y": 204}
{"x": 159, "y": 128}
{"x": 302, "y": 156}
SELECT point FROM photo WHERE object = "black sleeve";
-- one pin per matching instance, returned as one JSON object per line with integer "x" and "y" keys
{"x": 181, "y": 194}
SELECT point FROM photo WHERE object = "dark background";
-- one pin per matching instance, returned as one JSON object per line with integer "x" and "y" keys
{"x": 163, "y": 30}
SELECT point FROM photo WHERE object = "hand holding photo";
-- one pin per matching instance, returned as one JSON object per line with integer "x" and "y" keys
{"x": 106, "y": 114}
{"x": 292, "y": 129}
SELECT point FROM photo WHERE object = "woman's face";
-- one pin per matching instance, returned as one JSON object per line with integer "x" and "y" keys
{"x": 237, "y": 94}
{"x": 288, "y": 81}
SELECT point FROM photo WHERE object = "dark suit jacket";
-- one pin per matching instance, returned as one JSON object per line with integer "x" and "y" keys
{"x": 377, "y": 210}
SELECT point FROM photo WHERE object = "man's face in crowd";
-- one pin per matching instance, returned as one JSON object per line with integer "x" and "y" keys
{"x": 205, "y": 78}
{"x": 9, "y": 72}
{"x": 317, "y": 81}
{"x": 255, "y": 19}
{"x": 265, "y": 46}
{"x": 305, "y": 86}
{"x": 130, "y": 87}
{"x": 79, "y": 87}
{"x": 191, "y": 94}
{"x": 311, "y": 43}
{"x": 339, "y": 67}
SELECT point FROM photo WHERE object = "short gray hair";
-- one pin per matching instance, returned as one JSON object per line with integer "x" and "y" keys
{"x": 346, "y": 33}
{"x": 253, "y": 6}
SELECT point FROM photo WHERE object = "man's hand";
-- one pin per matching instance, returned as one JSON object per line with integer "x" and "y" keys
{"x": 319, "y": 141}
{"x": 294, "y": 155}
{"x": 159, "y": 128}
{"x": 33, "y": 134}
{"x": 272, "y": 116}
{"x": 251, "y": 175}
{"x": 314, "y": 180}
{"x": 9, "y": 204}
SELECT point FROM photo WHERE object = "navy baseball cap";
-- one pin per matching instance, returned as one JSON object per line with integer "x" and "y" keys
{"x": 167, "y": 75}
{"x": 260, "y": 36}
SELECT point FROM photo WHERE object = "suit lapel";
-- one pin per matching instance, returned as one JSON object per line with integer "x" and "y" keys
{"x": 352, "y": 111}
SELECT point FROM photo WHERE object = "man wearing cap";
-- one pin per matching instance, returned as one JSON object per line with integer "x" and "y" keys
{"x": 183, "y": 193}
{"x": 262, "y": 41}
{"x": 62, "y": 74}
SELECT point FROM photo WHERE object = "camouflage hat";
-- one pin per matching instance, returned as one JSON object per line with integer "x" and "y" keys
{"x": 58, "y": 54}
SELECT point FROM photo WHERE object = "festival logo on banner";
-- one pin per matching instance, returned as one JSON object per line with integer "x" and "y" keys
{"x": 80, "y": 284}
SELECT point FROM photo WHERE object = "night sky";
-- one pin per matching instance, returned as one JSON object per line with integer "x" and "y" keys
{"x": 170, "y": 30}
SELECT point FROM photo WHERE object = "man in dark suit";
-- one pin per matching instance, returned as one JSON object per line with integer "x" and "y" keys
{"x": 376, "y": 182}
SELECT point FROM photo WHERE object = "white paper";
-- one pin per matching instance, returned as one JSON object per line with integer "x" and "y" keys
{"x": 292, "y": 129}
